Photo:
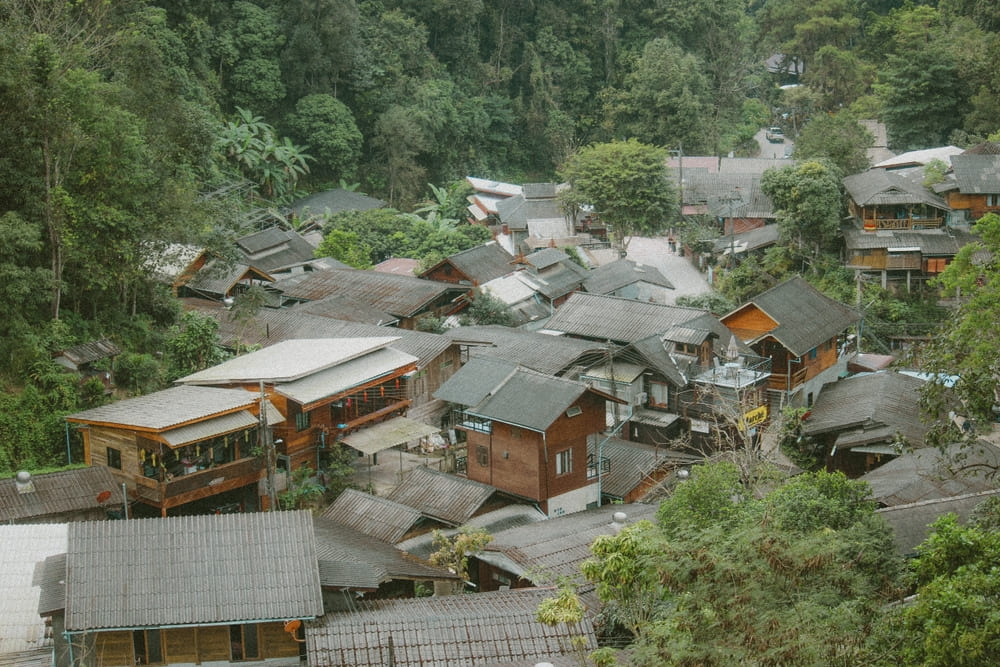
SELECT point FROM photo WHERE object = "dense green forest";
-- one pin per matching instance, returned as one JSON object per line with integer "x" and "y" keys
{"x": 130, "y": 126}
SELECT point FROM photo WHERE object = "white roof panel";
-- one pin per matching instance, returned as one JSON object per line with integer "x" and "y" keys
{"x": 338, "y": 379}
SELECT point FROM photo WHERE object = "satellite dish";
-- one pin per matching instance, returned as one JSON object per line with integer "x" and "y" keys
{"x": 291, "y": 627}
{"x": 103, "y": 496}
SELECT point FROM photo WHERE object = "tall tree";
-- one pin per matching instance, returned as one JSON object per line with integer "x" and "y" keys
{"x": 838, "y": 138}
{"x": 327, "y": 126}
{"x": 807, "y": 200}
{"x": 629, "y": 185}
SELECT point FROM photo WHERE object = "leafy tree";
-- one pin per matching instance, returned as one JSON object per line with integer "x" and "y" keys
{"x": 304, "y": 490}
{"x": 486, "y": 309}
{"x": 322, "y": 41}
{"x": 725, "y": 578}
{"x": 807, "y": 201}
{"x": 328, "y": 126}
{"x": 453, "y": 552}
{"x": 967, "y": 344}
{"x": 248, "y": 48}
{"x": 193, "y": 345}
{"x": 839, "y": 138}
{"x": 138, "y": 373}
{"x": 953, "y": 619}
{"x": 839, "y": 75}
{"x": 628, "y": 184}
{"x": 345, "y": 247}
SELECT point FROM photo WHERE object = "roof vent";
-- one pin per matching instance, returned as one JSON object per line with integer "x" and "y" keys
{"x": 23, "y": 482}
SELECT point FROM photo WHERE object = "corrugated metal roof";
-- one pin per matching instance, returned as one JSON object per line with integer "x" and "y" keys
{"x": 920, "y": 157}
{"x": 274, "y": 248}
{"x": 346, "y": 375}
{"x": 634, "y": 462}
{"x": 474, "y": 381}
{"x": 498, "y": 520}
{"x": 617, "y": 319}
{"x": 378, "y": 517}
{"x": 56, "y": 493}
{"x": 289, "y": 360}
{"x": 493, "y": 187}
{"x": 23, "y": 548}
{"x": 891, "y": 188}
{"x": 623, "y": 371}
{"x": 350, "y": 559}
{"x": 977, "y": 174}
{"x": 551, "y": 355}
{"x": 911, "y": 522}
{"x": 480, "y": 264}
{"x": 192, "y": 570}
{"x": 932, "y": 242}
{"x": 170, "y": 407}
{"x": 441, "y": 496}
{"x": 401, "y": 296}
{"x": 879, "y": 402}
{"x": 444, "y": 631}
{"x": 346, "y": 308}
{"x": 270, "y": 327}
{"x": 234, "y": 421}
{"x": 927, "y": 474}
{"x": 614, "y": 276}
{"x": 86, "y": 353}
{"x": 805, "y": 316}
{"x": 395, "y": 431}
{"x": 217, "y": 278}
{"x": 546, "y": 257}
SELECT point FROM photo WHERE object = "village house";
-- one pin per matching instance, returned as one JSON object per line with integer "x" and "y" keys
{"x": 527, "y": 433}
{"x": 328, "y": 389}
{"x": 184, "y": 590}
{"x": 629, "y": 280}
{"x": 437, "y": 357}
{"x": 182, "y": 448}
{"x": 472, "y": 267}
{"x": 406, "y": 298}
{"x": 93, "y": 359}
{"x": 483, "y": 201}
{"x": 899, "y": 230}
{"x": 803, "y": 333}
{"x": 861, "y": 422}
{"x": 972, "y": 189}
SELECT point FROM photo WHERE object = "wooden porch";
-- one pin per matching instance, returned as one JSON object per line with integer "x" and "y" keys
{"x": 197, "y": 485}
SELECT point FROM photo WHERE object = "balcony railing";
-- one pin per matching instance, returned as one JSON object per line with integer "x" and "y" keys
{"x": 873, "y": 224}
{"x": 593, "y": 466}
{"x": 150, "y": 490}
{"x": 462, "y": 465}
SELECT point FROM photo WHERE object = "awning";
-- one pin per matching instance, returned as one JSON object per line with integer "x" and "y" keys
{"x": 885, "y": 450}
{"x": 396, "y": 431}
{"x": 653, "y": 417}
{"x": 211, "y": 428}
{"x": 853, "y": 439}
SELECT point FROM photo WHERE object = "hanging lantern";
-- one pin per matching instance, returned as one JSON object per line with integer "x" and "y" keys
{"x": 365, "y": 394}
{"x": 397, "y": 383}
{"x": 142, "y": 455}
{"x": 348, "y": 402}
{"x": 381, "y": 390}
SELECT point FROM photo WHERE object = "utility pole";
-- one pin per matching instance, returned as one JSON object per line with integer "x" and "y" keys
{"x": 270, "y": 457}
{"x": 732, "y": 227}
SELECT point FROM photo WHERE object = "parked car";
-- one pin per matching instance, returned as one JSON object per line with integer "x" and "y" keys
{"x": 775, "y": 135}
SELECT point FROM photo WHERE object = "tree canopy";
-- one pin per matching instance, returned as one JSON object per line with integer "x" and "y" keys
{"x": 628, "y": 184}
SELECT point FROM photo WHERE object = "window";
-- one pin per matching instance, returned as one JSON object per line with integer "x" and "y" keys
{"x": 148, "y": 650}
{"x": 302, "y": 421}
{"x": 564, "y": 462}
{"x": 812, "y": 353}
{"x": 515, "y": 433}
{"x": 114, "y": 458}
{"x": 482, "y": 455}
{"x": 243, "y": 642}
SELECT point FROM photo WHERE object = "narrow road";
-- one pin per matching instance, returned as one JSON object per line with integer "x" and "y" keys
{"x": 772, "y": 150}
{"x": 655, "y": 252}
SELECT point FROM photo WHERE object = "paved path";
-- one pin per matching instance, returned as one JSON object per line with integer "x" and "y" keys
{"x": 772, "y": 150}
{"x": 655, "y": 252}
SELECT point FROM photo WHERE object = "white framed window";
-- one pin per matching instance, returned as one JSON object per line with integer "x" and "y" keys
{"x": 564, "y": 462}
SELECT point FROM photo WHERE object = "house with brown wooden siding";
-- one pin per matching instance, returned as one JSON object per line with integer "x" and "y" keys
{"x": 180, "y": 446}
{"x": 802, "y": 332}
{"x": 474, "y": 266}
{"x": 973, "y": 188}
{"x": 185, "y": 590}
{"x": 326, "y": 388}
{"x": 527, "y": 433}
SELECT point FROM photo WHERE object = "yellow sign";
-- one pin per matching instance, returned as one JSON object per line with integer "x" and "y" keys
{"x": 755, "y": 416}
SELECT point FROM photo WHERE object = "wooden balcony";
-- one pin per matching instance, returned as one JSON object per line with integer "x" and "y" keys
{"x": 197, "y": 485}
{"x": 875, "y": 224}
{"x": 779, "y": 381}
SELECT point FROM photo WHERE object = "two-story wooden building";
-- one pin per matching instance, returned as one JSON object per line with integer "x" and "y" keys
{"x": 327, "y": 388}
{"x": 181, "y": 445}
{"x": 973, "y": 188}
{"x": 802, "y": 331}
{"x": 527, "y": 433}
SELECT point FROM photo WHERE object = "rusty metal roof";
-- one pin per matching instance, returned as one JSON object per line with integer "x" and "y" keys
{"x": 377, "y": 517}
{"x": 443, "y": 631}
{"x": 188, "y": 570}
{"x": 441, "y": 496}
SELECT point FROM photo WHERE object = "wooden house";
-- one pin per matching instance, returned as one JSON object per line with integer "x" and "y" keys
{"x": 486, "y": 195}
{"x": 180, "y": 446}
{"x": 185, "y": 590}
{"x": 471, "y": 267}
{"x": 533, "y": 213}
{"x": 326, "y": 388}
{"x": 974, "y": 187}
{"x": 527, "y": 433}
{"x": 903, "y": 258}
{"x": 861, "y": 422}
{"x": 802, "y": 332}
{"x": 404, "y": 297}
{"x": 883, "y": 199}
{"x": 93, "y": 359}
